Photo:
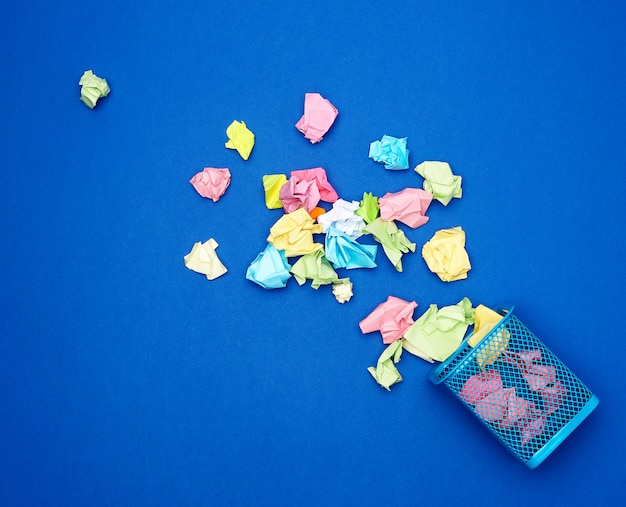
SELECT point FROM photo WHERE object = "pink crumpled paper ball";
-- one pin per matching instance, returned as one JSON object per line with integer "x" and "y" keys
{"x": 319, "y": 115}
{"x": 211, "y": 182}
{"x": 407, "y": 206}
{"x": 392, "y": 318}
{"x": 297, "y": 193}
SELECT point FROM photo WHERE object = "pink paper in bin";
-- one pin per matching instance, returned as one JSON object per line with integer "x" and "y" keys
{"x": 493, "y": 407}
{"x": 539, "y": 401}
{"x": 533, "y": 428}
{"x": 553, "y": 397}
{"x": 518, "y": 409}
{"x": 480, "y": 385}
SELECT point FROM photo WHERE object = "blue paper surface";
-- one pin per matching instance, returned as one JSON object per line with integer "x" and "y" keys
{"x": 126, "y": 380}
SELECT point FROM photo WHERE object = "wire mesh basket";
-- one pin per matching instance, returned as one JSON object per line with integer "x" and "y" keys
{"x": 518, "y": 389}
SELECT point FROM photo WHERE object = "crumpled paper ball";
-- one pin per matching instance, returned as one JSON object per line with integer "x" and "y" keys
{"x": 445, "y": 254}
{"x": 342, "y": 290}
{"x": 211, "y": 182}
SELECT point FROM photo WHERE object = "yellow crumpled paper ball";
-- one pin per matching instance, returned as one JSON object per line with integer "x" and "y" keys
{"x": 445, "y": 254}
{"x": 240, "y": 138}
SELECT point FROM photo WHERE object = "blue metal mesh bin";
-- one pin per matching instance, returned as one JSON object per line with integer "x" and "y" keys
{"x": 518, "y": 389}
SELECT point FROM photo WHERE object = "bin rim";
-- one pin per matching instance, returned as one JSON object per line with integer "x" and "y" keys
{"x": 435, "y": 374}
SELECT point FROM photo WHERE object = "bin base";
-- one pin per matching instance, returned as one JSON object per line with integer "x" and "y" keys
{"x": 563, "y": 433}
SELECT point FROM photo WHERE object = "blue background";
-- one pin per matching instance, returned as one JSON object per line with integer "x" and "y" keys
{"x": 126, "y": 379}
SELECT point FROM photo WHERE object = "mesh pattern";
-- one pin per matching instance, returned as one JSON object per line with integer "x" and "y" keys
{"x": 516, "y": 386}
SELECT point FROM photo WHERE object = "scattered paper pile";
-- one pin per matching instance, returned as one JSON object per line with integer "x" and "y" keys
{"x": 300, "y": 196}
{"x": 434, "y": 336}
{"x": 439, "y": 332}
